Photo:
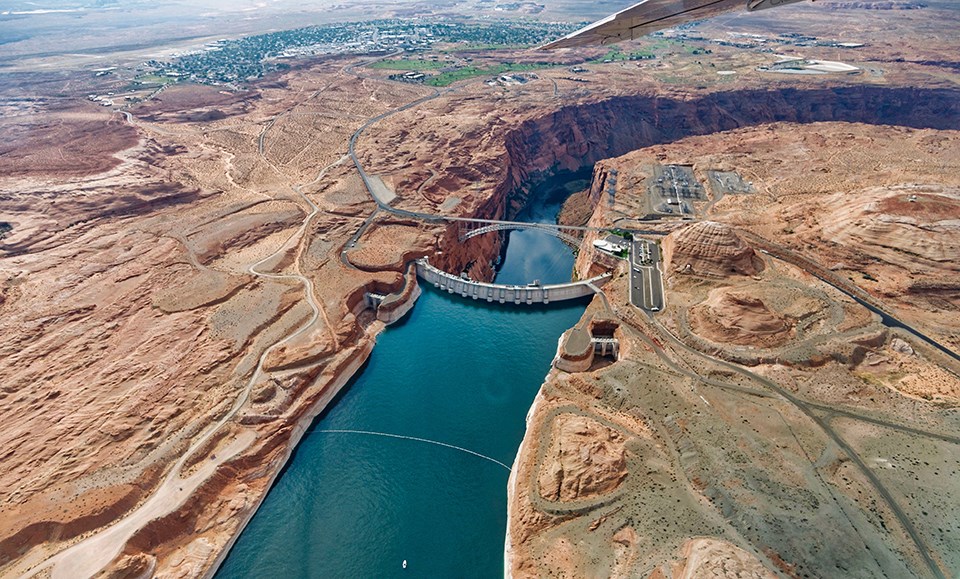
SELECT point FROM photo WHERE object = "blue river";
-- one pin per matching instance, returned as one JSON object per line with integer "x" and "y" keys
{"x": 454, "y": 371}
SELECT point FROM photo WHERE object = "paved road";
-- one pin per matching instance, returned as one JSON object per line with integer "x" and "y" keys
{"x": 824, "y": 425}
{"x": 646, "y": 278}
{"x": 783, "y": 254}
{"x": 95, "y": 551}
{"x": 831, "y": 412}
{"x": 434, "y": 217}
{"x": 352, "y": 242}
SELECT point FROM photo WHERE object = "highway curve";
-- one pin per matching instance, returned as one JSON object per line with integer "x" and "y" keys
{"x": 824, "y": 425}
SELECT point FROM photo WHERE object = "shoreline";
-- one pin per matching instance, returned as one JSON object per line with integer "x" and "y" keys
{"x": 301, "y": 428}
{"x": 512, "y": 480}
{"x": 303, "y": 425}
{"x": 333, "y": 389}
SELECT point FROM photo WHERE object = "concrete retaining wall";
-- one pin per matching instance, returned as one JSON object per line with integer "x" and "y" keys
{"x": 394, "y": 306}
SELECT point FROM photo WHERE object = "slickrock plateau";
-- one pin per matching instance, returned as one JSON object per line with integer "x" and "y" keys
{"x": 739, "y": 318}
{"x": 775, "y": 424}
{"x": 763, "y": 408}
{"x": 176, "y": 312}
{"x": 186, "y": 285}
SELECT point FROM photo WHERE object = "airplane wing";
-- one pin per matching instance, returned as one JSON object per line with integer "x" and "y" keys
{"x": 652, "y": 15}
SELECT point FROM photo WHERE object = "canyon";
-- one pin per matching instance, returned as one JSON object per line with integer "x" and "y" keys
{"x": 729, "y": 401}
{"x": 183, "y": 293}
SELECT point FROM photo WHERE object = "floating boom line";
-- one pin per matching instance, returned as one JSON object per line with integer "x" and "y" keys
{"x": 414, "y": 438}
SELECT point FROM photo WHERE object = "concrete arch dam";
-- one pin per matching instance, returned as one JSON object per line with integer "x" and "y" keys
{"x": 539, "y": 294}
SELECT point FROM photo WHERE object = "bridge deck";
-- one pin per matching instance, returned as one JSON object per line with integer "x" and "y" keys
{"x": 549, "y": 229}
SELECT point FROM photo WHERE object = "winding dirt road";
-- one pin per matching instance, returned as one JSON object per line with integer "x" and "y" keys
{"x": 824, "y": 425}
{"x": 95, "y": 552}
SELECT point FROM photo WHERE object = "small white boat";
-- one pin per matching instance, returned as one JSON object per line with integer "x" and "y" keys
{"x": 404, "y": 563}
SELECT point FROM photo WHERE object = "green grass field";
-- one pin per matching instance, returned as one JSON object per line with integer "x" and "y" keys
{"x": 409, "y": 65}
{"x": 616, "y": 55}
{"x": 149, "y": 79}
{"x": 448, "y": 78}
{"x": 486, "y": 47}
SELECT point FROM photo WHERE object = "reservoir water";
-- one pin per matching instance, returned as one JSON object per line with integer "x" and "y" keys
{"x": 454, "y": 371}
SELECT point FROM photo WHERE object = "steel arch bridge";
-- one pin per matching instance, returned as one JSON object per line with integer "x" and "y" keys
{"x": 548, "y": 229}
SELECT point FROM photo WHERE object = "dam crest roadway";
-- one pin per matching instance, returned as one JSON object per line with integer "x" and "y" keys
{"x": 517, "y": 294}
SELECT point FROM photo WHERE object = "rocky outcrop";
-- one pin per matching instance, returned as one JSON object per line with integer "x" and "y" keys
{"x": 736, "y": 317}
{"x": 577, "y": 136}
{"x": 396, "y": 305}
{"x": 705, "y": 558}
{"x": 709, "y": 249}
{"x": 908, "y": 225}
{"x": 585, "y": 459}
{"x": 576, "y": 351}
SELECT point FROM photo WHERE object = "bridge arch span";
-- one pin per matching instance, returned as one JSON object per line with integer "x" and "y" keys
{"x": 548, "y": 229}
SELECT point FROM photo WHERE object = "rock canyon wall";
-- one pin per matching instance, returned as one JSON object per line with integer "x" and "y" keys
{"x": 716, "y": 452}
{"x": 576, "y": 136}
{"x": 573, "y": 137}
{"x": 205, "y": 241}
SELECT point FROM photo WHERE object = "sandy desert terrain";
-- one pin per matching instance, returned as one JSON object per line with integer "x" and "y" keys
{"x": 184, "y": 287}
